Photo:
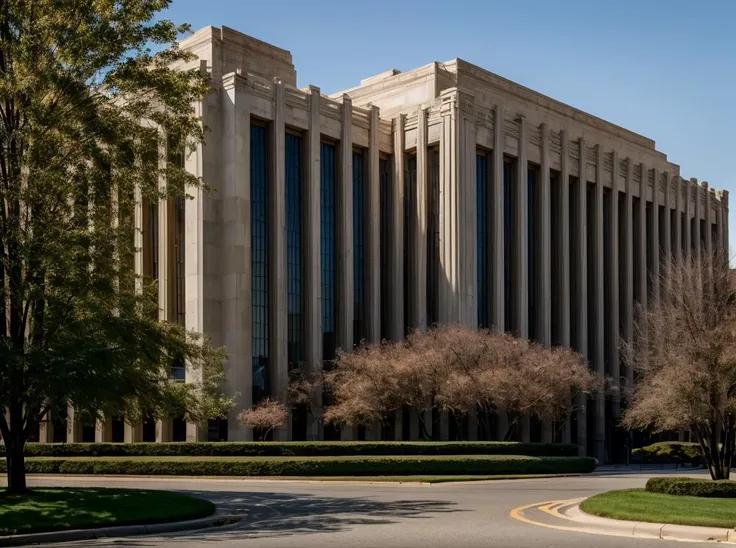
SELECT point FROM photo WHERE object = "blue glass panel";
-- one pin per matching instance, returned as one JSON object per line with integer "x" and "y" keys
{"x": 294, "y": 246}
{"x": 358, "y": 249}
{"x": 259, "y": 258}
{"x": 481, "y": 168}
{"x": 328, "y": 249}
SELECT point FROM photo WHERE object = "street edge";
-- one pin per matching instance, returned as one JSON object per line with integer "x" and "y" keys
{"x": 215, "y": 520}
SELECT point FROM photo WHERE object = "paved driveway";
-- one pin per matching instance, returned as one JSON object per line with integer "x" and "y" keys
{"x": 376, "y": 515}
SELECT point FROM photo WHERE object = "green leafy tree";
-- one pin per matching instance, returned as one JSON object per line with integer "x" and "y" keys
{"x": 84, "y": 106}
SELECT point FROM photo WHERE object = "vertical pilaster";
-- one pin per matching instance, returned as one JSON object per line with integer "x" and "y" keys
{"x": 313, "y": 269}
{"x": 612, "y": 317}
{"x": 544, "y": 276}
{"x": 396, "y": 327}
{"x": 418, "y": 232}
{"x": 46, "y": 429}
{"x": 688, "y": 245}
{"x": 580, "y": 297}
{"x": 627, "y": 296}
{"x": 719, "y": 222}
{"x": 521, "y": 227}
{"x": 373, "y": 248}
{"x": 708, "y": 232}
{"x": 448, "y": 277}
{"x": 235, "y": 259}
{"x": 345, "y": 264}
{"x": 656, "y": 248}
{"x": 278, "y": 341}
{"x": 103, "y": 430}
{"x": 466, "y": 213}
{"x": 599, "y": 359}
{"x": 667, "y": 254}
{"x": 73, "y": 426}
{"x": 563, "y": 245}
{"x": 133, "y": 433}
{"x": 697, "y": 236}
{"x": 497, "y": 218}
{"x": 724, "y": 203}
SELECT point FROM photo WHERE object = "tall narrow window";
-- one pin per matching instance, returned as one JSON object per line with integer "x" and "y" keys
{"x": 507, "y": 247}
{"x": 293, "y": 154}
{"x": 259, "y": 259}
{"x": 532, "y": 266}
{"x": 358, "y": 249}
{"x": 481, "y": 168}
{"x": 433, "y": 238}
{"x": 385, "y": 228}
{"x": 410, "y": 184}
{"x": 328, "y": 250}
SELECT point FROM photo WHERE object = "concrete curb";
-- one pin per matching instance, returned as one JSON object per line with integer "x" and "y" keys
{"x": 690, "y": 533}
{"x": 214, "y": 520}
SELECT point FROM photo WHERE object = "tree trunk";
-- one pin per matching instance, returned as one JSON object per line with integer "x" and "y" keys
{"x": 16, "y": 464}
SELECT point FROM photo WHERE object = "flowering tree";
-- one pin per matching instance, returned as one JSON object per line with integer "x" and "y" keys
{"x": 685, "y": 355}
{"x": 266, "y": 416}
{"x": 456, "y": 369}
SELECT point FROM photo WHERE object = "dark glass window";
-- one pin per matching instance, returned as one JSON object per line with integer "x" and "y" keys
{"x": 532, "y": 266}
{"x": 481, "y": 168}
{"x": 293, "y": 155}
{"x": 179, "y": 220}
{"x": 358, "y": 248}
{"x": 410, "y": 184}
{"x": 507, "y": 246}
{"x": 328, "y": 251}
{"x": 433, "y": 237}
{"x": 259, "y": 258}
{"x": 385, "y": 228}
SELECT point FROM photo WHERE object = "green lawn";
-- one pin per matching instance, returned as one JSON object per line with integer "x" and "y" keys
{"x": 56, "y": 509}
{"x": 639, "y": 505}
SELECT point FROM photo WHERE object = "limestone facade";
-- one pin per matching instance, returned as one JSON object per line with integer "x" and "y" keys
{"x": 446, "y": 194}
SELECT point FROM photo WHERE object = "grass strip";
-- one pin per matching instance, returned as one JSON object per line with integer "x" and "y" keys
{"x": 58, "y": 509}
{"x": 639, "y": 505}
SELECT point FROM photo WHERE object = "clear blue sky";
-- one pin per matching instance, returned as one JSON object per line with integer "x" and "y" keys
{"x": 663, "y": 68}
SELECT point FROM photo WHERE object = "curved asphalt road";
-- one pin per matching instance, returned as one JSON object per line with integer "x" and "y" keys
{"x": 376, "y": 515}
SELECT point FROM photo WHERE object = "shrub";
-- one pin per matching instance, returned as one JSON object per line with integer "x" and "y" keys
{"x": 265, "y": 416}
{"x": 297, "y": 449}
{"x": 337, "y": 466}
{"x": 669, "y": 452}
{"x": 692, "y": 487}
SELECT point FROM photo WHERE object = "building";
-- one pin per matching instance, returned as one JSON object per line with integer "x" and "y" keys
{"x": 442, "y": 194}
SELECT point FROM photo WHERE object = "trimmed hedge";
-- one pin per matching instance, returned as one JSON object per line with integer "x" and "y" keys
{"x": 669, "y": 452}
{"x": 692, "y": 487}
{"x": 297, "y": 449}
{"x": 338, "y": 466}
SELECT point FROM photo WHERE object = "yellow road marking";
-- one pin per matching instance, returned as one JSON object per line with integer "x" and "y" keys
{"x": 517, "y": 514}
{"x": 555, "y": 512}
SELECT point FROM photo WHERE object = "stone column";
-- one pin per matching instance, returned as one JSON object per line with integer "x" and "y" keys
{"x": 667, "y": 255}
{"x": 688, "y": 247}
{"x": 279, "y": 336}
{"x": 544, "y": 279}
{"x": 236, "y": 257}
{"x": 708, "y": 231}
{"x": 580, "y": 297}
{"x": 613, "y": 287}
{"x": 677, "y": 248}
{"x": 73, "y": 426}
{"x": 627, "y": 297}
{"x": 697, "y": 237}
{"x": 497, "y": 218}
{"x": 133, "y": 433}
{"x": 418, "y": 232}
{"x": 521, "y": 226}
{"x": 373, "y": 240}
{"x": 466, "y": 211}
{"x": 313, "y": 267}
{"x": 562, "y": 258}
{"x": 448, "y": 308}
{"x": 724, "y": 203}
{"x": 719, "y": 221}
{"x": 599, "y": 358}
{"x": 396, "y": 318}
{"x": 103, "y": 431}
{"x": 656, "y": 248}
{"x": 46, "y": 429}
{"x": 345, "y": 264}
